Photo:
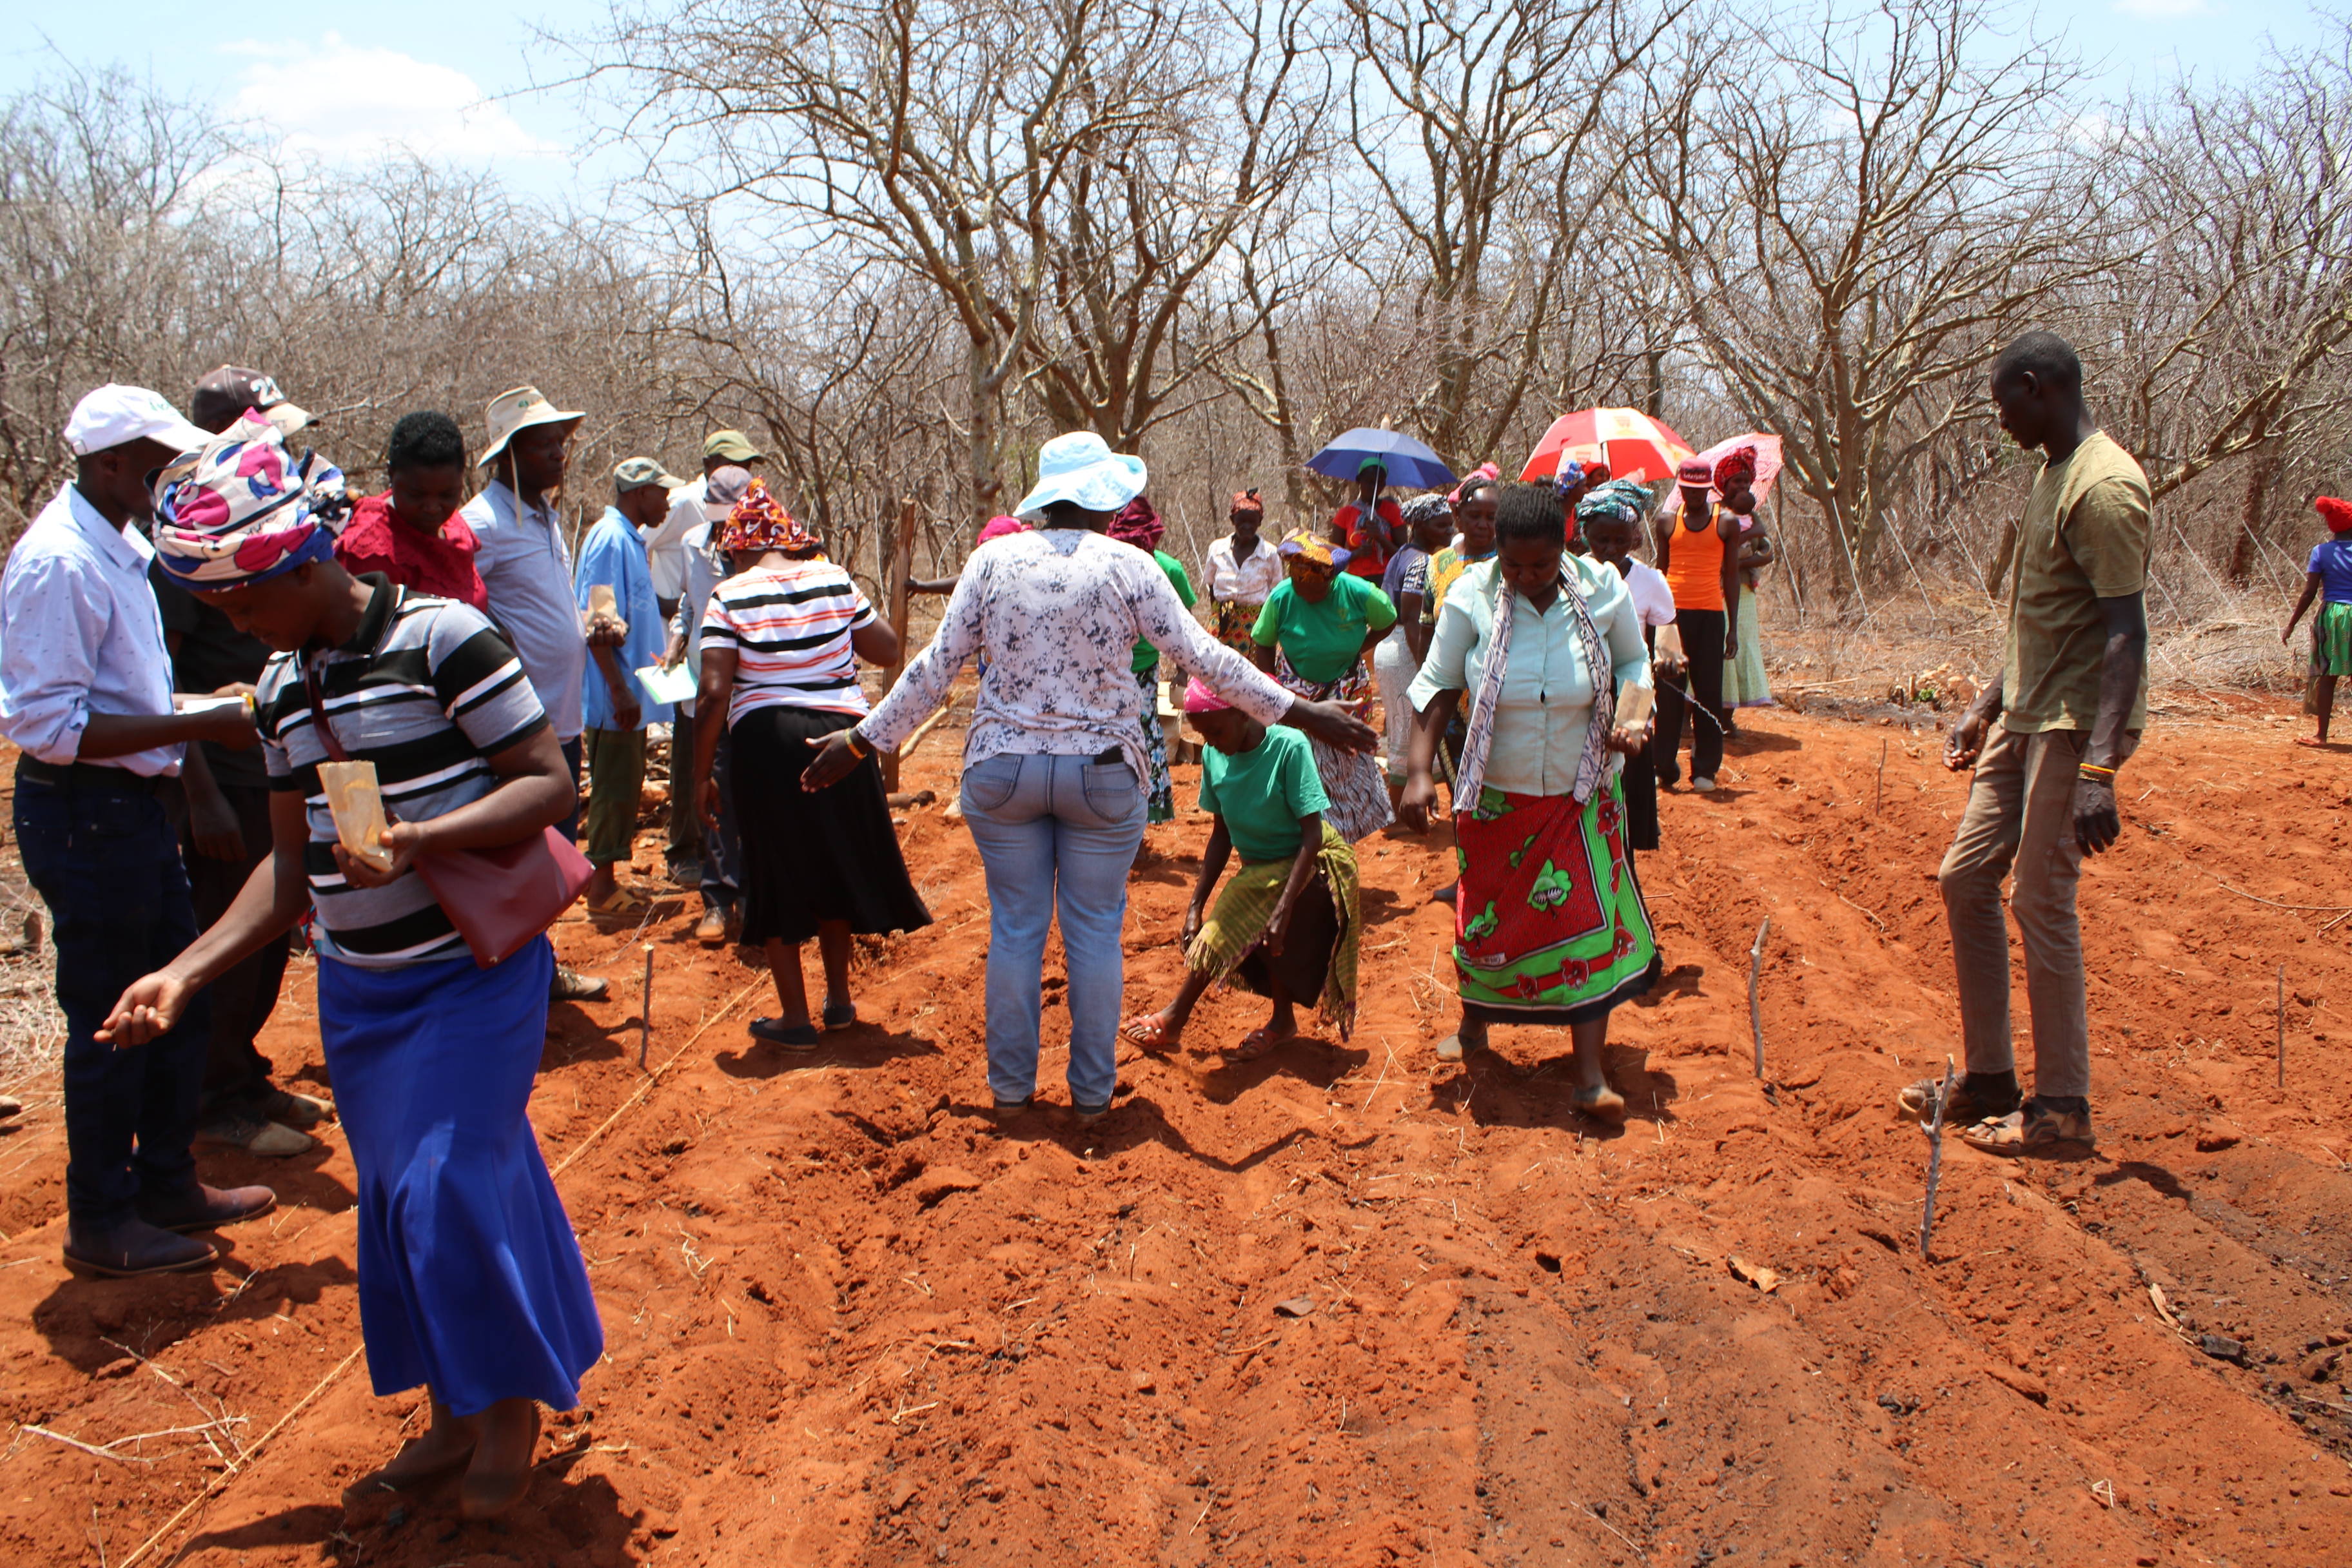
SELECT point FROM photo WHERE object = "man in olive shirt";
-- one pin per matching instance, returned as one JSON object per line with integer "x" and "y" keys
{"x": 2046, "y": 740}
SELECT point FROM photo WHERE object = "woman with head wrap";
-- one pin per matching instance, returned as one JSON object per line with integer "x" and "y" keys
{"x": 1698, "y": 552}
{"x": 1053, "y": 764}
{"x": 1138, "y": 523}
{"x": 1287, "y": 926}
{"x": 1429, "y": 520}
{"x": 781, "y": 642}
{"x": 2327, "y": 577}
{"x": 1364, "y": 531}
{"x": 1610, "y": 518}
{"x": 1313, "y": 636}
{"x": 470, "y": 1279}
{"x": 1745, "y": 682}
{"x": 1243, "y": 570}
{"x": 1550, "y": 927}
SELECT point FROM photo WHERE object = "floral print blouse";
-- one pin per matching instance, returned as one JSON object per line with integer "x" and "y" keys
{"x": 1057, "y": 611}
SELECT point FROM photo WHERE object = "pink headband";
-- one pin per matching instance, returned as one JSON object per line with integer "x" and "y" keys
{"x": 1198, "y": 699}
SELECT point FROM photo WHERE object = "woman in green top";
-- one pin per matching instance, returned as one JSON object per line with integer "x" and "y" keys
{"x": 1314, "y": 635}
{"x": 1287, "y": 926}
{"x": 1138, "y": 524}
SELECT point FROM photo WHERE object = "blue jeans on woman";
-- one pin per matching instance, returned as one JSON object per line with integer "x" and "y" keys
{"x": 1054, "y": 830}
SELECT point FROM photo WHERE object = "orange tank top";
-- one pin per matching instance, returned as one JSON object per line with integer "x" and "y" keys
{"x": 1695, "y": 565}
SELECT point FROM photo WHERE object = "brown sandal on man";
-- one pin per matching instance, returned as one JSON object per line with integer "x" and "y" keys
{"x": 2032, "y": 1129}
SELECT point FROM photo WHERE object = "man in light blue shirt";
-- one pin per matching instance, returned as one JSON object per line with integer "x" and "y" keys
{"x": 624, "y": 636}
{"x": 526, "y": 567}
{"x": 86, "y": 696}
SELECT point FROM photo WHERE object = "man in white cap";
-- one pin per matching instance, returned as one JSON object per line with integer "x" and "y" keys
{"x": 667, "y": 548}
{"x": 625, "y": 634}
{"x": 86, "y": 696}
{"x": 526, "y": 565}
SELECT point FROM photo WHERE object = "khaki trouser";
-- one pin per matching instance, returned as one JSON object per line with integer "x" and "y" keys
{"x": 2021, "y": 814}
{"x": 616, "y": 780}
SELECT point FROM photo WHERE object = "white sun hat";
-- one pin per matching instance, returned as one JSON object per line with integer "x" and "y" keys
{"x": 1081, "y": 468}
{"x": 115, "y": 415}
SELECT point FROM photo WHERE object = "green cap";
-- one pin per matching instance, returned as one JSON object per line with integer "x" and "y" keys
{"x": 1368, "y": 463}
{"x": 637, "y": 473}
{"x": 731, "y": 444}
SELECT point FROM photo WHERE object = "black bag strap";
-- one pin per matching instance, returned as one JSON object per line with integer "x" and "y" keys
{"x": 319, "y": 714}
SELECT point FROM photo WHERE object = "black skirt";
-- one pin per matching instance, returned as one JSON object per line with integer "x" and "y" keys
{"x": 808, "y": 858}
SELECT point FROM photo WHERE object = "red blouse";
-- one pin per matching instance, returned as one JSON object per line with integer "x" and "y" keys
{"x": 378, "y": 539}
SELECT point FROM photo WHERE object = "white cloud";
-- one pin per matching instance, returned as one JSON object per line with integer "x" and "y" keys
{"x": 342, "y": 101}
{"x": 2160, "y": 10}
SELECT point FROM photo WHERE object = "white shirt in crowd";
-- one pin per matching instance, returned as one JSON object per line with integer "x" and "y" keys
{"x": 1652, "y": 598}
{"x": 666, "y": 546}
{"x": 1058, "y": 611}
{"x": 1243, "y": 581}
{"x": 81, "y": 633}
{"x": 526, "y": 565}
{"x": 703, "y": 576}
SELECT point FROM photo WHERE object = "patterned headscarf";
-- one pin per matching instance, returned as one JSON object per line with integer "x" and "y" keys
{"x": 1247, "y": 504}
{"x": 1138, "y": 523}
{"x": 761, "y": 522}
{"x": 1483, "y": 474}
{"x": 1427, "y": 508}
{"x": 1315, "y": 550}
{"x": 242, "y": 509}
{"x": 1618, "y": 500}
{"x": 1570, "y": 474}
{"x": 998, "y": 527}
{"x": 2338, "y": 514}
{"x": 1736, "y": 465}
{"x": 1198, "y": 699}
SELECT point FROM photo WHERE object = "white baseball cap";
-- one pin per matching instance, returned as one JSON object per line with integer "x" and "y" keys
{"x": 115, "y": 415}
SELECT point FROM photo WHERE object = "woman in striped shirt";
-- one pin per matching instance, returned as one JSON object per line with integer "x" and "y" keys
{"x": 781, "y": 642}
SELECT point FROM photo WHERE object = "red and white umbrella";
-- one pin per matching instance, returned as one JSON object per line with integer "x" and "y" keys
{"x": 1768, "y": 466}
{"x": 1633, "y": 445}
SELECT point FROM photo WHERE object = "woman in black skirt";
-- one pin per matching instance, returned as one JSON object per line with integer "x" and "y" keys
{"x": 781, "y": 642}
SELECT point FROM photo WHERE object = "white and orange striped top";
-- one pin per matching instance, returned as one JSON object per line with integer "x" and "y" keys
{"x": 789, "y": 628}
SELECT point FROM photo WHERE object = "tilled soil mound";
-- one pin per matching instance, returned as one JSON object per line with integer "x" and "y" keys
{"x": 1347, "y": 1304}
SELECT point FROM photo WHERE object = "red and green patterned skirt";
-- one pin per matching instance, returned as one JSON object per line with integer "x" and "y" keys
{"x": 1550, "y": 926}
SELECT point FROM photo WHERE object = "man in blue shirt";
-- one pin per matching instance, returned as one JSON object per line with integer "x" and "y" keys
{"x": 86, "y": 696}
{"x": 625, "y": 634}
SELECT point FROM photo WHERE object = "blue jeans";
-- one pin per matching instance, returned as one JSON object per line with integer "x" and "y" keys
{"x": 106, "y": 860}
{"x": 1054, "y": 830}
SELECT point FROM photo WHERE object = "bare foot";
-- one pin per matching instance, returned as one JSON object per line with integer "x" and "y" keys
{"x": 1454, "y": 1046}
{"x": 446, "y": 1447}
{"x": 2313, "y": 741}
{"x": 500, "y": 1472}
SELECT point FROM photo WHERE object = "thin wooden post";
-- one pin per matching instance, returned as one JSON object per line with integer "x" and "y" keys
{"x": 2282, "y": 1026}
{"x": 1935, "y": 1133}
{"x": 645, "y": 1012}
{"x": 1878, "y": 798}
{"x": 1755, "y": 982}
{"x": 900, "y": 556}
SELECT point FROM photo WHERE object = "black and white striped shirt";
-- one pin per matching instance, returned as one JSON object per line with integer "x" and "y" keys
{"x": 427, "y": 690}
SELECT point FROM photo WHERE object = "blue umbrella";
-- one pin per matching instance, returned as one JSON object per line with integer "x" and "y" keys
{"x": 1409, "y": 464}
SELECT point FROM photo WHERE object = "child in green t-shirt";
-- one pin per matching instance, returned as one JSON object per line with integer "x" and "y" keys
{"x": 1287, "y": 926}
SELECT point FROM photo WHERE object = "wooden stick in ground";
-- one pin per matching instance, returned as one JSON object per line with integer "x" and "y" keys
{"x": 1755, "y": 982}
{"x": 645, "y": 1012}
{"x": 899, "y": 544}
{"x": 1935, "y": 1132}
{"x": 1878, "y": 797}
{"x": 925, "y": 728}
{"x": 2282, "y": 1026}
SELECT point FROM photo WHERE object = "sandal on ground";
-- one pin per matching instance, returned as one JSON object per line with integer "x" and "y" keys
{"x": 838, "y": 1015}
{"x": 2031, "y": 1129}
{"x": 2312, "y": 740}
{"x": 618, "y": 903}
{"x": 1257, "y": 1043}
{"x": 1146, "y": 1029}
{"x": 1968, "y": 1106}
{"x": 791, "y": 1036}
{"x": 1601, "y": 1103}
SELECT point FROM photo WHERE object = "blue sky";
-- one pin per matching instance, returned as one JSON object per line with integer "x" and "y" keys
{"x": 455, "y": 81}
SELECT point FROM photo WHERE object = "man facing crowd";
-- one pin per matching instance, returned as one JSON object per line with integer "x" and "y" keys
{"x": 625, "y": 634}
{"x": 2046, "y": 739}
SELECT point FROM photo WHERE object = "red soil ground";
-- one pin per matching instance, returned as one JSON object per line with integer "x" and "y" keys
{"x": 851, "y": 1319}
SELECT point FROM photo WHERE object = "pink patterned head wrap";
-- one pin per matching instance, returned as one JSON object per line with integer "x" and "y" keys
{"x": 242, "y": 509}
{"x": 760, "y": 521}
{"x": 1198, "y": 699}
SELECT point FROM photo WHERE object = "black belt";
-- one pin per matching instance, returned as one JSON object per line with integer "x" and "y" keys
{"x": 90, "y": 775}
{"x": 1111, "y": 755}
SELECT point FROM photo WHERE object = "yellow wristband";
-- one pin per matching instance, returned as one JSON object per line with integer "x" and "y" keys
{"x": 859, "y": 746}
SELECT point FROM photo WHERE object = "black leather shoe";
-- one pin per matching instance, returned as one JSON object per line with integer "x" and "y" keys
{"x": 131, "y": 1247}
{"x": 206, "y": 1208}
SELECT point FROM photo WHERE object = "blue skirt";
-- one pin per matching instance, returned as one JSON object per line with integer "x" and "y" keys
{"x": 470, "y": 1279}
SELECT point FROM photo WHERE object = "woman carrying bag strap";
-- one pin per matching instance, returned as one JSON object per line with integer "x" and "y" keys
{"x": 470, "y": 1279}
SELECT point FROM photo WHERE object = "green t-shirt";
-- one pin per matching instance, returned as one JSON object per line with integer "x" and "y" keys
{"x": 1263, "y": 792}
{"x": 1145, "y": 656}
{"x": 2084, "y": 538}
{"x": 1323, "y": 640}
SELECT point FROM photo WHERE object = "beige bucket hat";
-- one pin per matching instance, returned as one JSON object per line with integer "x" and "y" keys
{"x": 518, "y": 409}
